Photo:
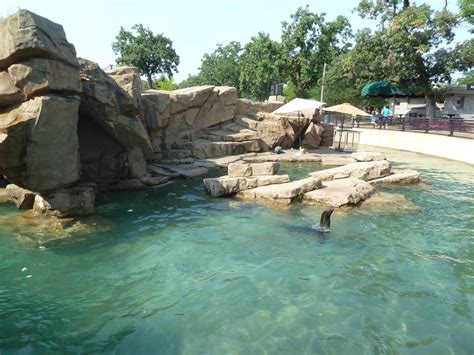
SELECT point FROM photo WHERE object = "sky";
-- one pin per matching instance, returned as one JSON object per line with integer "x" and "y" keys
{"x": 195, "y": 27}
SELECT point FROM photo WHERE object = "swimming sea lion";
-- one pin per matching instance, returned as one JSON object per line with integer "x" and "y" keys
{"x": 325, "y": 223}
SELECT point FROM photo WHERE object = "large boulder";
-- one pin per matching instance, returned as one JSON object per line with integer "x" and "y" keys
{"x": 105, "y": 102}
{"x": 128, "y": 78}
{"x": 39, "y": 144}
{"x": 25, "y": 35}
{"x": 276, "y": 131}
{"x": 312, "y": 136}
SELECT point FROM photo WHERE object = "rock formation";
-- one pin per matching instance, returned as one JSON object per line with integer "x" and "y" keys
{"x": 69, "y": 128}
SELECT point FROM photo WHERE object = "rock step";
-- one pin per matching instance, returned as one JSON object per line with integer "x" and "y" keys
{"x": 246, "y": 122}
{"x": 227, "y": 136}
{"x": 177, "y": 161}
{"x": 176, "y": 154}
{"x": 203, "y": 149}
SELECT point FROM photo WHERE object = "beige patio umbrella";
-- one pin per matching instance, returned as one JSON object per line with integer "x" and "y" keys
{"x": 348, "y": 109}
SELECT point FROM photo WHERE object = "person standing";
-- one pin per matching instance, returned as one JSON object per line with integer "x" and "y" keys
{"x": 386, "y": 113}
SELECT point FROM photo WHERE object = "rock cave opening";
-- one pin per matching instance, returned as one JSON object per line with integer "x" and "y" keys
{"x": 102, "y": 158}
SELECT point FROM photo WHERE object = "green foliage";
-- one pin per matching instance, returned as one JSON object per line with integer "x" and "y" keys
{"x": 307, "y": 43}
{"x": 466, "y": 78}
{"x": 222, "y": 67}
{"x": 260, "y": 67}
{"x": 190, "y": 81}
{"x": 290, "y": 91}
{"x": 166, "y": 84}
{"x": 151, "y": 54}
{"x": 467, "y": 12}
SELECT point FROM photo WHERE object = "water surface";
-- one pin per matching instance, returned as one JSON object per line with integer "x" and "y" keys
{"x": 174, "y": 271}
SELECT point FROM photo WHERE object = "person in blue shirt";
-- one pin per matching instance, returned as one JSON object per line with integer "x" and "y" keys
{"x": 386, "y": 113}
{"x": 374, "y": 118}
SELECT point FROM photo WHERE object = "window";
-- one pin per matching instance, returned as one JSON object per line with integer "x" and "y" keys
{"x": 459, "y": 102}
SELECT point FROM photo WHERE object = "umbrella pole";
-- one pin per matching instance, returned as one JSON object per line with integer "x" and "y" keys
{"x": 299, "y": 129}
{"x": 340, "y": 133}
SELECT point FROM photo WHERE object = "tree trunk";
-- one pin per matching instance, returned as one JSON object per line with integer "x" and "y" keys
{"x": 430, "y": 106}
{"x": 150, "y": 81}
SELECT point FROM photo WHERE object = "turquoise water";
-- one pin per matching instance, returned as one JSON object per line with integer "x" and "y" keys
{"x": 176, "y": 272}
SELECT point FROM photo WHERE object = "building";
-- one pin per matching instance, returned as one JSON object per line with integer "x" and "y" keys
{"x": 459, "y": 101}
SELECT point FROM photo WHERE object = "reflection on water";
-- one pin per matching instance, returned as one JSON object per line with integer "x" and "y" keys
{"x": 175, "y": 271}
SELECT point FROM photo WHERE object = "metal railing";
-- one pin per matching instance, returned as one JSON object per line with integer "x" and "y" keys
{"x": 452, "y": 126}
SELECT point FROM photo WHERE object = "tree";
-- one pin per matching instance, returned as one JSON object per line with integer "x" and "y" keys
{"x": 222, "y": 67}
{"x": 348, "y": 73}
{"x": 467, "y": 12}
{"x": 190, "y": 81}
{"x": 466, "y": 78}
{"x": 307, "y": 43}
{"x": 151, "y": 54}
{"x": 259, "y": 67}
{"x": 414, "y": 45}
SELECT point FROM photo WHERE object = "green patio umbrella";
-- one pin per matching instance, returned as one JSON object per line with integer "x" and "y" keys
{"x": 381, "y": 88}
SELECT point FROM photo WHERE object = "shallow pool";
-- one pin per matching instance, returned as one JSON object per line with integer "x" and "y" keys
{"x": 177, "y": 272}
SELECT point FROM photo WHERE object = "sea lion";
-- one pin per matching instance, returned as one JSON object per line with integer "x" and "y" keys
{"x": 325, "y": 223}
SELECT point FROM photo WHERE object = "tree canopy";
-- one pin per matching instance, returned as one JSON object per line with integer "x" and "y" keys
{"x": 151, "y": 54}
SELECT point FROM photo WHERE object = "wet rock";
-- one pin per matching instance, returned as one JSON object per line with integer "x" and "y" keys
{"x": 289, "y": 156}
{"x": 23, "y": 199}
{"x": 403, "y": 177}
{"x": 74, "y": 201}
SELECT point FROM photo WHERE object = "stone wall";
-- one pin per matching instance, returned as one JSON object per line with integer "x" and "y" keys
{"x": 182, "y": 115}
{"x": 249, "y": 108}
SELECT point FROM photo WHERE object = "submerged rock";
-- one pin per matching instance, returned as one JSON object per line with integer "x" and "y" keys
{"x": 47, "y": 232}
{"x": 403, "y": 177}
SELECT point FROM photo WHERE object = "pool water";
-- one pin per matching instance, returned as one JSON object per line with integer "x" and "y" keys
{"x": 174, "y": 271}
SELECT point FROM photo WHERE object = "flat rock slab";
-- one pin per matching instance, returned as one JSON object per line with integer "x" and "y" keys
{"x": 337, "y": 160}
{"x": 219, "y": 162}
{"x": 383, "y": 202}
{"x": 368, "y": 156}
{"x": 364, "y": 171}
{"x": 225, "y": 185}
{"x": 402, "y": 177}
{"x": 289, "y": 156}
{"x": 256, "y": 169}
{"x": 340, "y": 192}
{"x": 283, "y": 192}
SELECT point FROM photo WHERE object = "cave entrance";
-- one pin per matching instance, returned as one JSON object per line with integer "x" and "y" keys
{"x": 102, "y": 158}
